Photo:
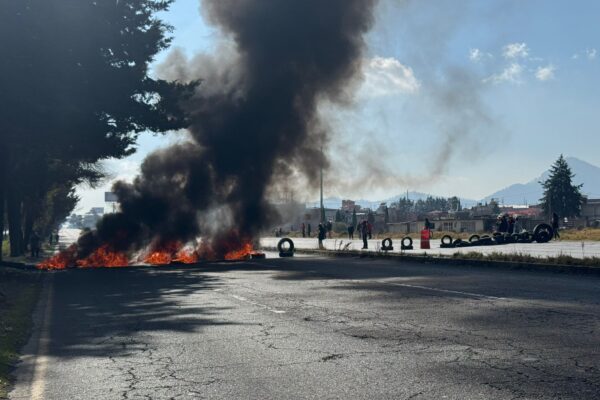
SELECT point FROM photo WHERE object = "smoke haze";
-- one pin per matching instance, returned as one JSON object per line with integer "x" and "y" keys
{"x": 254, "y": 121}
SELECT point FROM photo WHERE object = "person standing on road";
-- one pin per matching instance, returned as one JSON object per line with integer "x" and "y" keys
{"x": 34, "y": 244}
{"x": 329, "y": 228}
{"x": 428, "y": 227}
{"x": 365, "y": 234}
{"x": 370, "y": 230}
{"x": 322, "y": 236}
{"x": 303, "y": 228}
{"x": 511, "y": 225}
{"x": 555, "y": 226}
{"x": 351, "y": 232}
{"x": 518, "y": 228}
{"x": 308, "y": 229}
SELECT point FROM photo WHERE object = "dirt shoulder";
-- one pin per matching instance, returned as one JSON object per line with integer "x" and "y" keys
{"x": 19, "y": 291}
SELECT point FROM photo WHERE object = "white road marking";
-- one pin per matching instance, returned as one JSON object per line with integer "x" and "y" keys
{"x": 38, "y": 382}
{"x": 441, "y": 290}
{"x": 273, "y": 310}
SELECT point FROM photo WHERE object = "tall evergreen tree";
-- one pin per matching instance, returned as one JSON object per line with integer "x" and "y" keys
{"x": 76, "y": 89}
{"x": 561, "y": 196}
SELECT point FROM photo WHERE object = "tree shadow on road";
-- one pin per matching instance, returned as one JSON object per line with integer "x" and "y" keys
{"x": 107, "y": 312}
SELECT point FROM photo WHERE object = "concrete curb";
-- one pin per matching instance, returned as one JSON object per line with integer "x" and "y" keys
{"x": 18, "y": 265}
{"x": 507, "y": 265}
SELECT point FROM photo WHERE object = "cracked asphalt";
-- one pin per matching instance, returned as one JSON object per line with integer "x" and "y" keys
{"x": 321, "y": 328}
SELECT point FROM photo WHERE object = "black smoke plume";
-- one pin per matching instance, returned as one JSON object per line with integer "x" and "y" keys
{"x": 253, "y": 119}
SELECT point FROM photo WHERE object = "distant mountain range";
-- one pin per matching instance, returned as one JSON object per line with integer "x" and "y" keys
{"x": 519, "y": 193}
{"x": 531, "y": 192}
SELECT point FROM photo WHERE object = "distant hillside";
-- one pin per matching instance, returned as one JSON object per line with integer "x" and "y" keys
{"x": 531, "y": 192}
{"x": 336, "y": 202}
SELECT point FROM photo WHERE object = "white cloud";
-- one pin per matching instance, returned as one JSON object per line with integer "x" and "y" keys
{"x": 477, "y": 55}
{"x": 515, "y": 50}
{"x": 512, "y": 74}
{"x": 387, "y": 76}
{"x": 575, "y": 56}
{"x": 545, "y": 73}
{"x": 591, "y": 53}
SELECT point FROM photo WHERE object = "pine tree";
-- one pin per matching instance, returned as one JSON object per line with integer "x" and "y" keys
{"x": 561, "y": 196}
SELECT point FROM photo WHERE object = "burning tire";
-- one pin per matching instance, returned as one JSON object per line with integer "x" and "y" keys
{"x": 543, "y": 233}
{"x": 407, "y": 243}
{"x": 446, "y": 241}
{"x": 386, "y": 244}
{"x": 285, "y": 251}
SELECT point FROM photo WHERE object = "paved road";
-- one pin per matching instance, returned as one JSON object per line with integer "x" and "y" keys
{"x": 314, "y": 328}
{"x": 551, "y": 249}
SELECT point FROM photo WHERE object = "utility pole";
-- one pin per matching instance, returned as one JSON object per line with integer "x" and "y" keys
{"x": 322, "y": 207}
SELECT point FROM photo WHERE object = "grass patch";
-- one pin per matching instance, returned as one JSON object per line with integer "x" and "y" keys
{"x": 5, "y": 248}
{"x": 593, "y": 262}
{"x": 592, "y": 234}
{"x": 19, "y": 291}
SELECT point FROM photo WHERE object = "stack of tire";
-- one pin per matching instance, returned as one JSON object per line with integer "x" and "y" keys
{"x": 542, "y": 233}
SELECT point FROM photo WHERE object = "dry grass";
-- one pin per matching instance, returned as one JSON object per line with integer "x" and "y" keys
{"x": 18, "y": 295}
{"x": 526, "y": 258}
{"x": 592, "y": 234}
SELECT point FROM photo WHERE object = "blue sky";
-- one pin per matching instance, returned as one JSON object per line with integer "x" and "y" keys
{"x": 458, "y": 97}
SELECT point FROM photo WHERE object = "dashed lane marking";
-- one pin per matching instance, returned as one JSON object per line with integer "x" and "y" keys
{"x": 273, "y": 310}
{"x": 484, "y": 296}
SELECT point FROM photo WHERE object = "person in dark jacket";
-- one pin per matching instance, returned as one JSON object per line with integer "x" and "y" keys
{"x": 351, "y": 232}
{"x": 364, "y": 229}
{"x": 308, "y": 229}
{"x": 34, "y": 244}
{"x": 555, "y": 226}
{"x": 322, "y": 235}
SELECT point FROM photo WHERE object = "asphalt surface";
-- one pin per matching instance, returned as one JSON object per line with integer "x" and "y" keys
{"x": 551, "y": 249}
{"x": 314, "y": 328}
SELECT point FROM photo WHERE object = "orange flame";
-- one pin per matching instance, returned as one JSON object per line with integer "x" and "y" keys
{"x": 162, "y": 254}
{"x": 103, "y": 256}
{"x": 241, "y": 254}
{"x": 64, "y": 259}
{"x": 186, "y": 257}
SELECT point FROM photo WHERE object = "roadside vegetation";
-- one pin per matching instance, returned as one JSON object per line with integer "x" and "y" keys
{"x": 586, "y": 234}
{"x": 593, "y": 262}
{"x": 19, "y": 292}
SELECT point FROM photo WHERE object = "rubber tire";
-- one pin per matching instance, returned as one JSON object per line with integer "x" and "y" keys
{"x": 410, "y": 242}
{"x": 387, "y": 247}
{"x": 445, "y": 242}
{"x": 543, "y": 233}
{"x": 486, "y": 241}
{"x": 526, "y": 237}
{"x": 460, "y": 243}
{"x": 498, "y": 238}
{"x": 280, "y": 246}
{"x": 474, "y": 238}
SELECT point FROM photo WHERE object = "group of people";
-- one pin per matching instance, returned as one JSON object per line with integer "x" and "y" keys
{"x": 508, "y": 224}
{"x": 364, "y": 230}
{"x": 35, "y": 242}
{"x": 511, "y": 224}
